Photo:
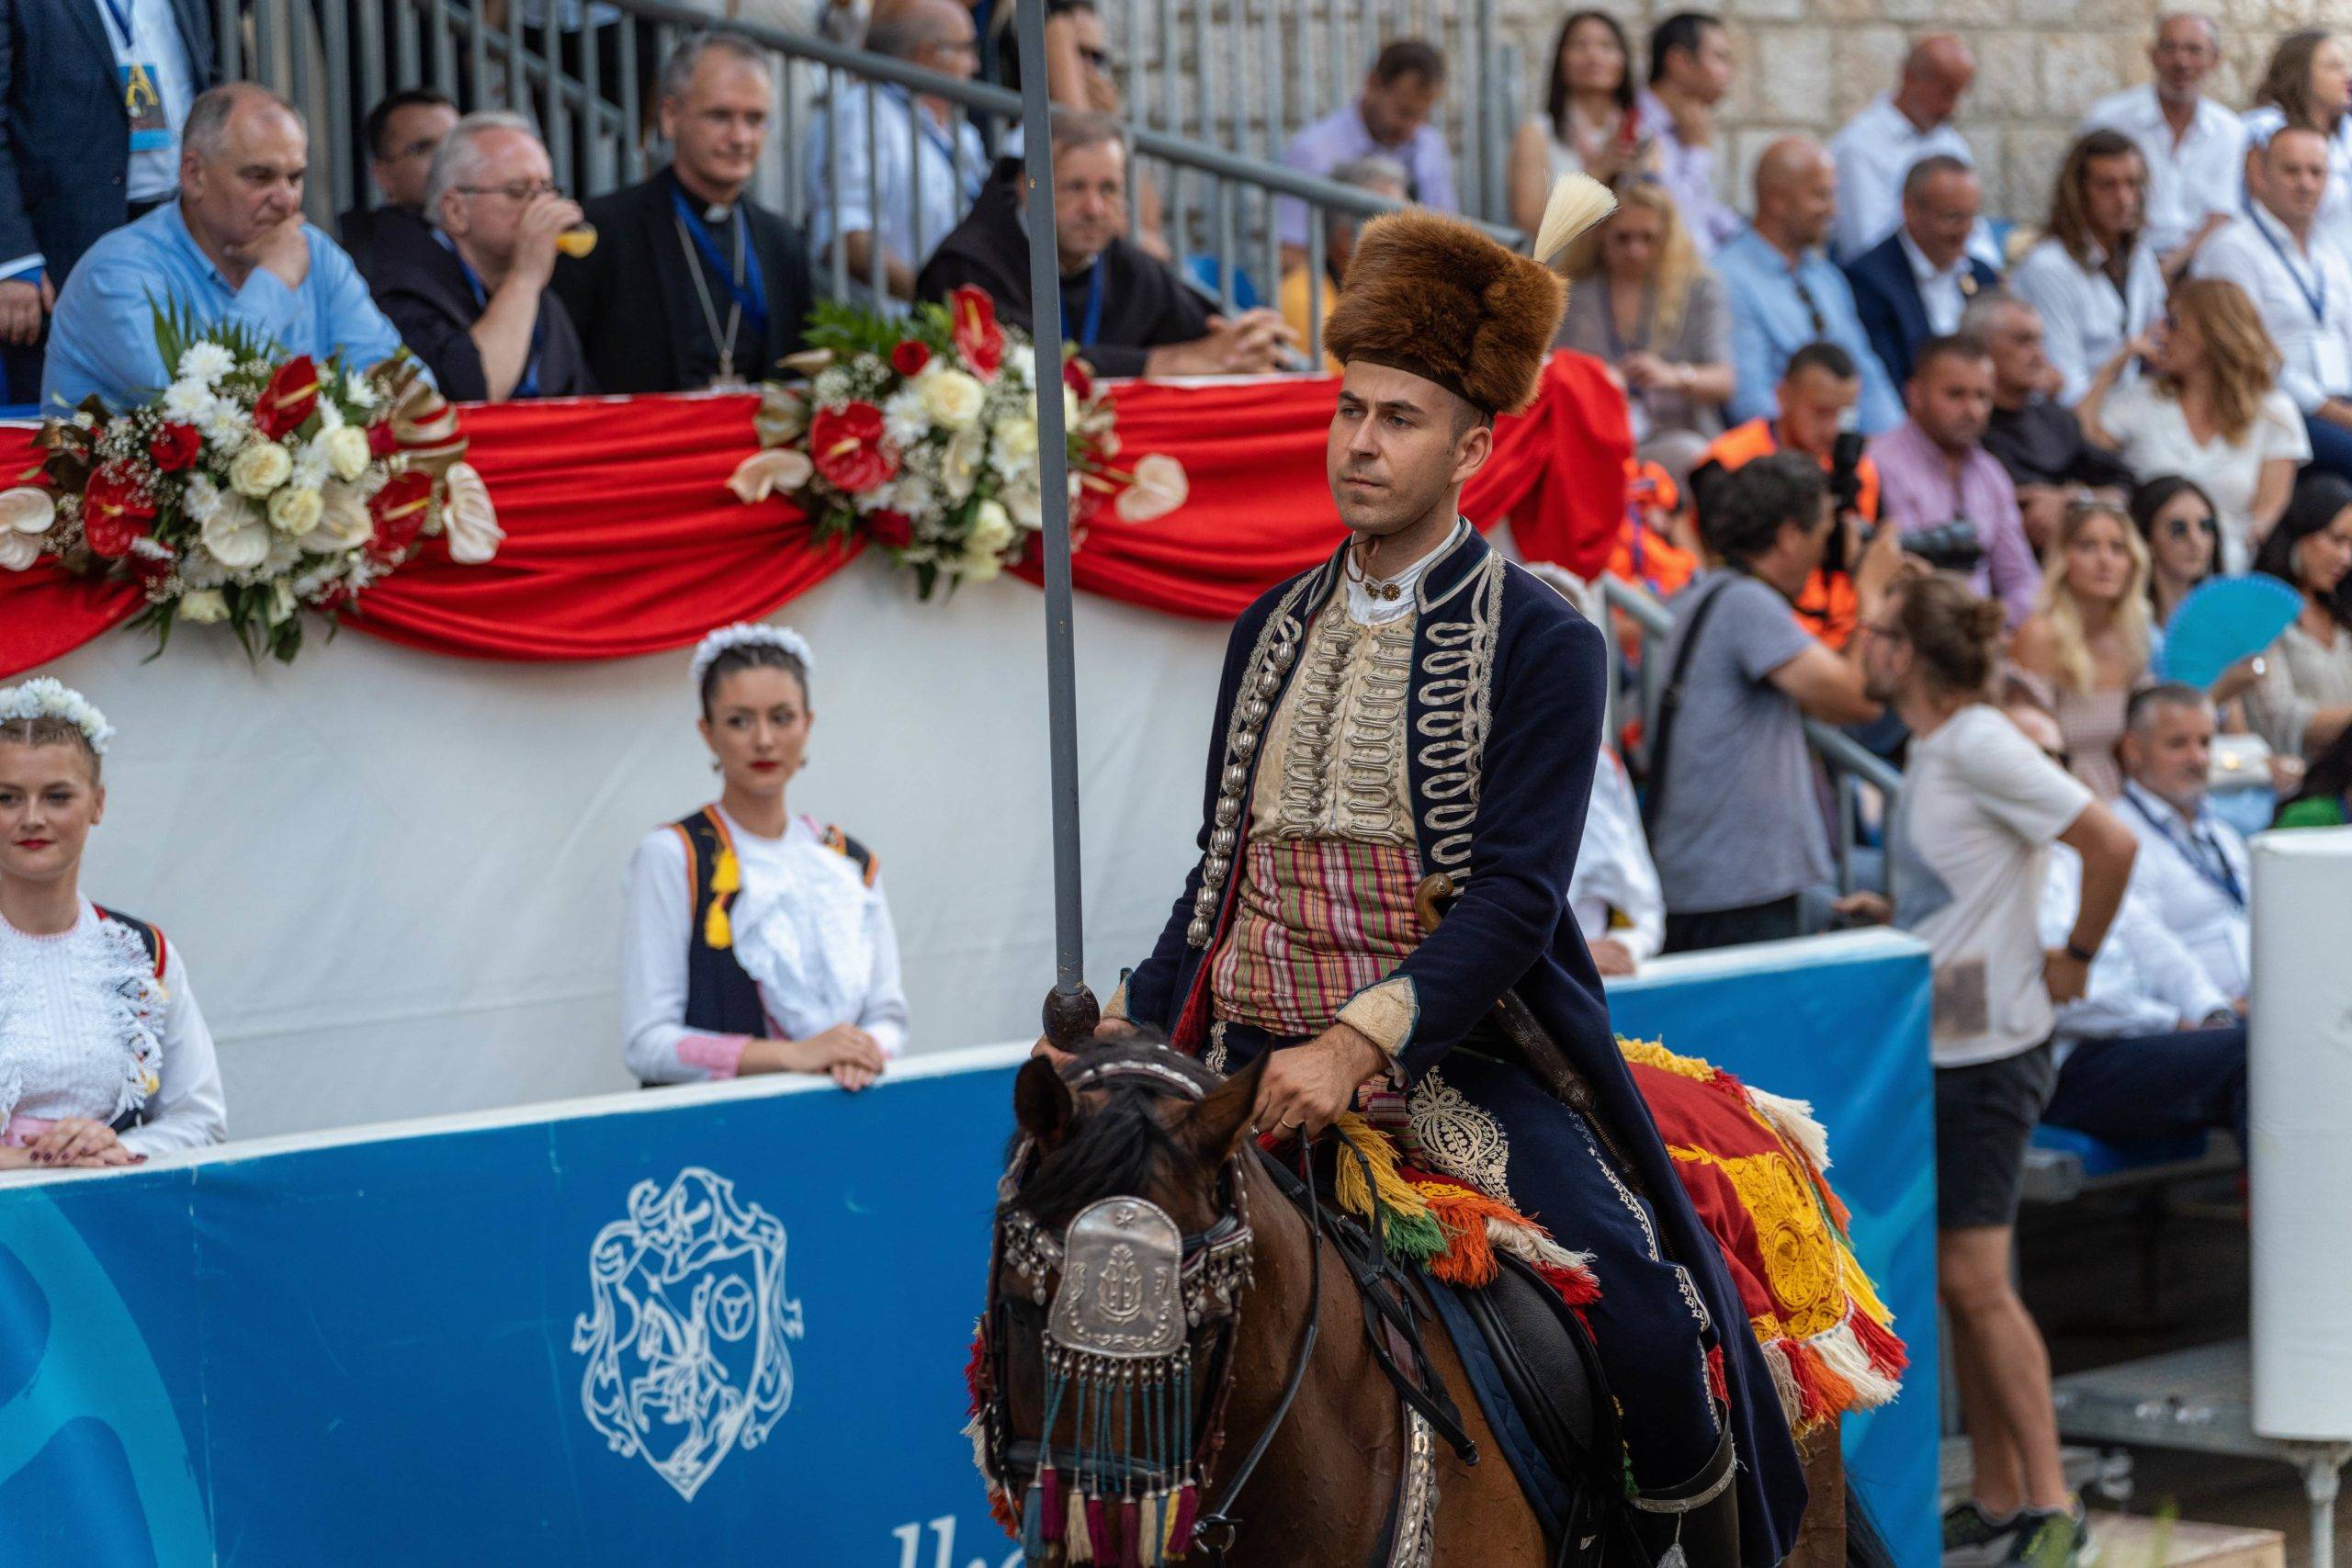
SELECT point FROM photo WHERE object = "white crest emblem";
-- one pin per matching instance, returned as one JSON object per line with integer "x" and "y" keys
{"x": 685, "y": 1342}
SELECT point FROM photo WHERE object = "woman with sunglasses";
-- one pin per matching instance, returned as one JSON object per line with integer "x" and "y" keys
{"x": 2303, "y": 703}
{"x": 1588, "y": 124}
{"x": 2211, "y": 410}
{"x": 2183, "y": 533}
{"x": 2086, "y": 640}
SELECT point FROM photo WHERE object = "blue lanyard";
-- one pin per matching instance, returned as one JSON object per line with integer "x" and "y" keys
{"x": 2215, "y": 870}
{"x": 528, "y": 386}
{"x": 967, "y": 180}
{"x": 749, "y": 291}
{"x": 2316, "y": 300}
{"x": 1084, "y": 337}
{"x": 122, "y": 16}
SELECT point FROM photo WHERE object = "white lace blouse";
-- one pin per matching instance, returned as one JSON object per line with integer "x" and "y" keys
{"x": 89, "y": 1029}
{"x": 818, "y": 941}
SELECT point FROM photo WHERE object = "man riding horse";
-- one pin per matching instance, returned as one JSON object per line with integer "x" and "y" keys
{"x": 1418, "y": 705}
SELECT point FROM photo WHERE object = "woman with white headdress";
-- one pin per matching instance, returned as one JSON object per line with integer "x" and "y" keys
{"x": 104, "y": 1055}
{"x": 756, "y": 941}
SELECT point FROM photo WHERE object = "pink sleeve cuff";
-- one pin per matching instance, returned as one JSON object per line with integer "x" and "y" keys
{"x": 718, "y": 1054}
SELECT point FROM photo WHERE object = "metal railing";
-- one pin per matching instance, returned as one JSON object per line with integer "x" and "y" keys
{"x": 588, "y": 85}
{"x": 1849, "y": 765}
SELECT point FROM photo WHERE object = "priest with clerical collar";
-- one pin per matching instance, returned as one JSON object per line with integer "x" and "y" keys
{"x": 1129, "y": 314}
{"x": 691, "y": 284}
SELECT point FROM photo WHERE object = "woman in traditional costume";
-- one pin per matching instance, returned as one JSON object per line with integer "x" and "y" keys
{"x": 756, "y": 941}
{"x": 104, "y": 1055}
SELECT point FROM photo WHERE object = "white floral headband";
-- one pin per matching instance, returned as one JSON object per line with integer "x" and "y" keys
{"x": 746, "y": 634}
{"x": 48, "y": 698}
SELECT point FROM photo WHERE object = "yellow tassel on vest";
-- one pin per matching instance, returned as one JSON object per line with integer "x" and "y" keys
{"x": 716, "y": 929}
{"x": 726, "y": 873}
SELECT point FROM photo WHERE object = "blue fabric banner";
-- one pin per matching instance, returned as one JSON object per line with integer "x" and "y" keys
{"x": 705, "y": 1324}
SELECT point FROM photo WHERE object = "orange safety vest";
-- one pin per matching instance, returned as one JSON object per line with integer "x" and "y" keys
{"x": 1827, "y": 607}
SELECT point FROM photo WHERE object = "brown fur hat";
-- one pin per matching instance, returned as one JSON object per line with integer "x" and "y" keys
{"x": 1433, "y": 296}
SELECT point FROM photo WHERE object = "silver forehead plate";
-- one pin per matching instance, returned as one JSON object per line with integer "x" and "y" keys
{"x": 1121, "y": 1290}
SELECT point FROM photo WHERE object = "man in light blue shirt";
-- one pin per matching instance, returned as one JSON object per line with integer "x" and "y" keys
{"x": 1389, "y": 118}
{"x": 1785, "y": 293}
{"x": 233, "y": 248}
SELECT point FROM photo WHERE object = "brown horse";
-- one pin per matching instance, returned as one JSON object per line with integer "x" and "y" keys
{"x": 1334, "y": 1482}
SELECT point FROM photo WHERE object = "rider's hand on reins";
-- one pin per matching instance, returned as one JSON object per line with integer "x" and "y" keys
{"x": 1306, "y": 1086}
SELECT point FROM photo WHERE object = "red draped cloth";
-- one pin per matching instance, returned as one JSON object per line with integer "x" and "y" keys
{"x": 622, "y": 537}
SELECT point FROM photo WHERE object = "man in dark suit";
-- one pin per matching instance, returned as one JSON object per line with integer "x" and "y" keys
{"x": 92, "y": 96}
{"x": 1915, "y": 283}
{"x": 469, "y": 290}
{"x": 402, "y": 132}
{"x": 690, "y": 284}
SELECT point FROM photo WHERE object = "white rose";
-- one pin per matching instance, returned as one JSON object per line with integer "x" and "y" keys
{"x": 204, "y": 606}
{"x": 961, "y": 464}
{"x": 281, "y": 602}
{"x": 977, "y": 565}
{"x": 467, "y": 514}
{"x": 235, "y": 535}
{"x": 344, "y": 522}
{"x": 296, "y": 511}
{"x": 260, "y": 468}
{"x": 951, "y": 397}
{"x": 1017, "y": 441}
{"x": 1027, "y": 507}
{"x": 992, "y": 529}
{"x": 346, "y": 449}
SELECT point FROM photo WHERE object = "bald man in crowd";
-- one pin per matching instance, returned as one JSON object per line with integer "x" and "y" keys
{"x": 1879, "y": 145}
{"x": 1786, "y": 293}
{"x": 233, "y": 249}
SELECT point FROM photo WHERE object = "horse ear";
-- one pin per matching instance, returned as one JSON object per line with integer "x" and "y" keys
{"x": 1042, "y": 1103}
{"x": 1221, "y": 1121}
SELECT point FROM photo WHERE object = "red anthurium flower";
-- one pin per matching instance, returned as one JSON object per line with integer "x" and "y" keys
{"x": 116, "y": 508}
{"x": 847, "y": 447}
{"x": 978, "y": 337}
{"x": 911, "y": 357}
{"x": 175, "y": 447}
{"x": 891, "y": 530}
{"x": 1075, "y": 376}
{"x": 382, "y": 442}
{"x": 290, "y": 399}
{"x": 400, "y": 510}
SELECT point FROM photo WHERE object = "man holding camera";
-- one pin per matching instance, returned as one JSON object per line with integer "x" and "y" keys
{"x": 1956, "y": 506}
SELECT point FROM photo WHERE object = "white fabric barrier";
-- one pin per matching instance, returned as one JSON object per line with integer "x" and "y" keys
{"x": 2299, "y": 1116}
{"x": 397, "y": 876}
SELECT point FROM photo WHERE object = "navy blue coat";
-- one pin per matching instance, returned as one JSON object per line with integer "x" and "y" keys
{"x": 64, "y": 142}
{"x": 1507, "y": 690}
{"x": 1886, "y": 297}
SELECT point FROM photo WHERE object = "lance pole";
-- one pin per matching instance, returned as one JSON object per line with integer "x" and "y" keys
{"x": 1071, "y": 1010}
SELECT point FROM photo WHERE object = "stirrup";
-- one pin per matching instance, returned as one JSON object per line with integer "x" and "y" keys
{"x": 1696, "y": 1524}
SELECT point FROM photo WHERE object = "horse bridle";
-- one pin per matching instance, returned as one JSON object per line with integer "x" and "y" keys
{"x": 1116, "y": 1277}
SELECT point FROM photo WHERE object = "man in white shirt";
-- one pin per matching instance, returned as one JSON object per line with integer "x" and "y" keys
{"x": 1614, "y": 889}
{"x": 2152, "y": 1049}
{"x": 2195, "y": 148}
{"x": 1879, "y": 145}
{"x": 2299, "y": 281}
{"x": 925, "y": 169}
{"x": 2095, "y": 277}
{"x": 2192, "y": 864}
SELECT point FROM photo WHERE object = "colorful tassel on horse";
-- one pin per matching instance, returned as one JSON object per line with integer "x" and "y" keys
{"x": 1049, "y": 1483}
{"x": 1180, "y": 1521}
{"x": 1033, "y": 1523}
{"x": 1410, "y": 1231}
{"x": 1151, "y": 1530}
{"x": 1130, "y": 1534}
{"x": 1102, "y": 1531}
{"x": 1078, "y": 1538}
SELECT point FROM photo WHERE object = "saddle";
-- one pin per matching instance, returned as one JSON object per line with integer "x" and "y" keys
{"x": 1532, "y": 1367}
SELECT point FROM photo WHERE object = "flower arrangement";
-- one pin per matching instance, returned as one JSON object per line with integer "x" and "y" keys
{"x": 919, "y": 433}
{"x": 252, "y": 488}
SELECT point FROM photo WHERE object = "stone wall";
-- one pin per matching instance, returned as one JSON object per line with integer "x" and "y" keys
{"x": 1810, "y": 65}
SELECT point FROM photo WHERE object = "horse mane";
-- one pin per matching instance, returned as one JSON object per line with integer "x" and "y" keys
{"x": 1118, "y": 1146}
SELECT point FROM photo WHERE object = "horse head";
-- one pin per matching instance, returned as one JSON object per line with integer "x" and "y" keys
{"x": 1123, "y": 1245}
